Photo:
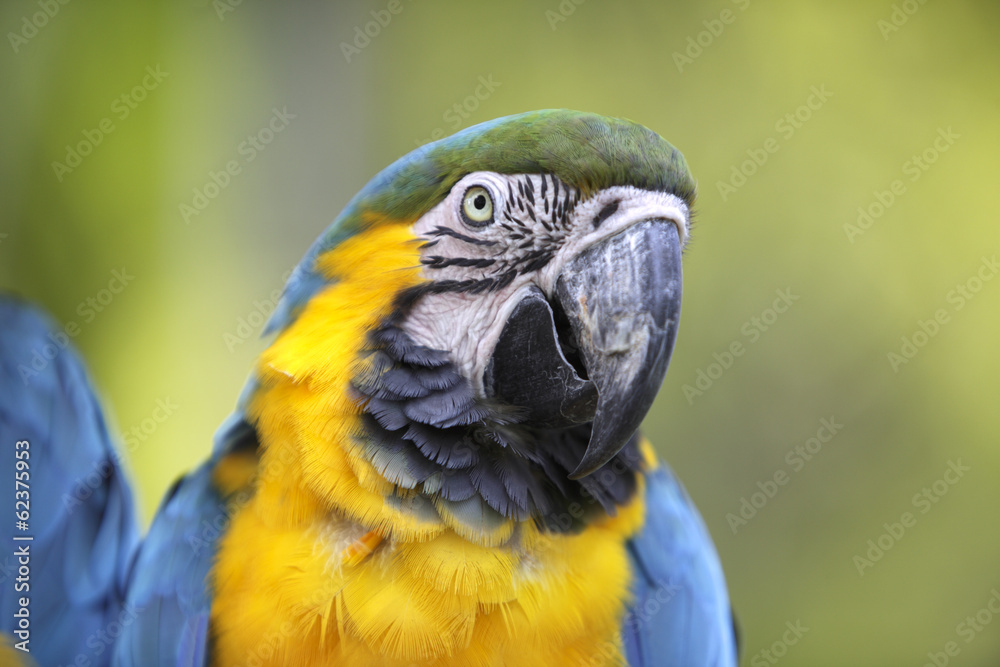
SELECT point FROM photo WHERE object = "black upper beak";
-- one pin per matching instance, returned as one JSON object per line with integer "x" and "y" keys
{"x": 601, "y": 355}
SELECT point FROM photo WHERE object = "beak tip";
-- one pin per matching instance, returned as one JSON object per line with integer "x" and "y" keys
{"x": 582, "y": 470}
{"x": 606, "y": 440}
{"x": 626, "y": 355}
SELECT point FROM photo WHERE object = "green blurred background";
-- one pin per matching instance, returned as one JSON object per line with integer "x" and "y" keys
{"x": 719, "y": 79}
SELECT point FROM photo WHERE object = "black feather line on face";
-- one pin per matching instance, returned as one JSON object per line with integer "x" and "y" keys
{"x": 606, "y": 212}
{"x": 438, "y": 262}
{"x": 424, "y": 429}
{"x": 447, "y": 231}
{"x": 523, "y": 249}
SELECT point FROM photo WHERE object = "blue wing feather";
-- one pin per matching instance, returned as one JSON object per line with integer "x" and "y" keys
{"x": 680, "y": 613}
{"x": 82, "y": 517}
{"x": 168, "y": 585}
{"x": 95, "y": 594}
{"x": 84, "y": 553}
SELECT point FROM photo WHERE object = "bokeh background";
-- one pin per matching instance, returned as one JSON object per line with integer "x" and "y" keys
{"x": 846, "y": 155}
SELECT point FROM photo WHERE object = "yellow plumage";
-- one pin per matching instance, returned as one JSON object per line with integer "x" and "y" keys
{"x": 12, "y": 657}
{"x": 318, "y": 568}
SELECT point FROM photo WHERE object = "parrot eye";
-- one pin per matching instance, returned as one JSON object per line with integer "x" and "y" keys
{"x": 477, "y": 207}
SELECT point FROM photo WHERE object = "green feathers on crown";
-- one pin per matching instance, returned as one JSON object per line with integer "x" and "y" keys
{"x": 585, "y": 150}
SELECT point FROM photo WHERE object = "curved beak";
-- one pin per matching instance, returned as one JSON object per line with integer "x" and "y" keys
{"x": 601, "y": 354}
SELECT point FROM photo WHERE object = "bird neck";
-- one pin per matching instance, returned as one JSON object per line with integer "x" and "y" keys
{"x": 304, "y": 410}
{"x": 375, "y": 570}
{"x": 358, "y": 421}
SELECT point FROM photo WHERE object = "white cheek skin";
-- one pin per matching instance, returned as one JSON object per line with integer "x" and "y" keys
{"x": 447, "y": 322}
{"x": 468, "y": 325}
{"x": 463, "y": 323}
{"x": 446, "y": 215}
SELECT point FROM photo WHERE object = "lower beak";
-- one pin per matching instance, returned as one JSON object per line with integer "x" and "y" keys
{"x": 601, "y": 355}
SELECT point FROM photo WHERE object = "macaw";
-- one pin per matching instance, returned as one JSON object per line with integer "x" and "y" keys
{"x": 436, "y": 459}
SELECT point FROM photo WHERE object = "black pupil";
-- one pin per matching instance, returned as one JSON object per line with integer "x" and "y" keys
{"x": 479, "y": 202}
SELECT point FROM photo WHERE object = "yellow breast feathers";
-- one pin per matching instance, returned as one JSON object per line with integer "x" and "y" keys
{"x": 330, "y": 563}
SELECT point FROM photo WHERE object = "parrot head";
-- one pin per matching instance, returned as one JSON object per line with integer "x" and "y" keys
{"x": 512, "y": 350}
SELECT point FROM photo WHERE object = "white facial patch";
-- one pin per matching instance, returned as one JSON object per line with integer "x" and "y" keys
{"x": 480, "y": 270}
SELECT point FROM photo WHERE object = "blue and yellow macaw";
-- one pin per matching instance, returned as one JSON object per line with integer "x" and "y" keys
{"x": 435, "y": 462}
